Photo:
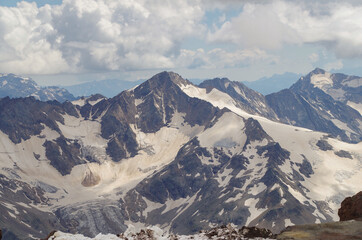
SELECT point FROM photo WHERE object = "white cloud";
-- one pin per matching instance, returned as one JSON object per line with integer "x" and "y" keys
{"x": 258, "y": 26}
{"x": 81, "y": 36}
{"x": 219, "y": 58}
{"x": 22, "y": 41}
{"x": 336, "y": 25}
{"x": 333, "y": 65}
{"x": 88, "y": 35}
{"x": 314, "y": 57}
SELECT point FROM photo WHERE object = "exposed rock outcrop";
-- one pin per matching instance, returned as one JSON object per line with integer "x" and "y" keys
{"x": 351, "y": 208}
{"x": 49, "y": 235}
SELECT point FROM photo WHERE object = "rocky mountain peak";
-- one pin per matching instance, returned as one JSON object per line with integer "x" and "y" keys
{"x": 317, "y": 78}
{"x": 163, "y": 77}
{"x": 317, "y": 71}
{"x": 322, "y": 101}
{"x": 161, "y": 83}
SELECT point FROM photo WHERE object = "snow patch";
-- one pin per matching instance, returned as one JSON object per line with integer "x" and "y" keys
{"x": 343, "y": 126}
{"x": 11, "y": 207}
{"x": 227, "y": 133}
{"x": 356, "y": 106}
{"x": 80, "y": 102}
{"x": 256, "y": 189}
{"x": 254, "y": 212}
{"x": 357, "y": 82}
{"x": 224, "y": 177}
{"x": 288, "y": 222}
{"x": 233, "y": 199}
{"x": 138, "y": 101}
{"x": 322, "y": 81}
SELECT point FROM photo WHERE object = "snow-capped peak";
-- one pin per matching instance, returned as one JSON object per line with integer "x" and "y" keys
{"x": 322, "y": 80}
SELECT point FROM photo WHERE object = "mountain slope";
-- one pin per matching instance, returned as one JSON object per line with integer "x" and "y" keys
{"x": 245, "y": 98}
{"x": 15, "y": 86}
{"x": 165, "y": 153}
{"x": 319, "y": 101}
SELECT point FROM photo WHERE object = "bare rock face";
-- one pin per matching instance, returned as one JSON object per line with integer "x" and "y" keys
{"x": 351, "y": 208}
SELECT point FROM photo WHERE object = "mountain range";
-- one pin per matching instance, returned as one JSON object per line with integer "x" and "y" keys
{"x": 275, "y": 83}
{"x": 15, "y": 86}
{"x": 108, "y": 88}
{"x": 182, "y": 157}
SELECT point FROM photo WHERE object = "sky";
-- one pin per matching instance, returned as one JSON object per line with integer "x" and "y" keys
{"x": 65, "y": 42}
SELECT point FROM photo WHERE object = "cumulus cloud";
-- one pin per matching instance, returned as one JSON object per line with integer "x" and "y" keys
{"x": 219, "y": 58}
{"x": 334, "y": 65}
{"x": 86, "y": 35}
{"x": 23, "y": 43}
{"x": 112, "y": 35}
{"x": 335, "y": 25}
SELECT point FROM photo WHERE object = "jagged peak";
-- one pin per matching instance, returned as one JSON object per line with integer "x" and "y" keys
{"x": 215, "y": 80}
{"x": 224, "y": 83}
{"x": 169, "y": 76}
{"x": 160, "y": 82}
{"x": 92, "y": 100}
{"x": 96, "y": 96}
{"x": 317, "y": 71}
{"x": 318, "y": 78}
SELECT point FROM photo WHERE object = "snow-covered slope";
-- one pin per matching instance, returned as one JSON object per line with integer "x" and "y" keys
{"x": 244, "y": 97}
{"x": 165, "y": 153}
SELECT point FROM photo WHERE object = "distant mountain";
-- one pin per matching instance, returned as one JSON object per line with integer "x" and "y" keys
{"x": 16, "y": 86}
{"x": 165, "y": 153}
{"x": 275, "y": 83}
{"x": 324, "y": 102}
{"x": 108, "y": 88}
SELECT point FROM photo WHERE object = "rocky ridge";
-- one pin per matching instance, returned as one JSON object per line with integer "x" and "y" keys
{"x": 324, "y": 102}
{"x": 14, "y": 86}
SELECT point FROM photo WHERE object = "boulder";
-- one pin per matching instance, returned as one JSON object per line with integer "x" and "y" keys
{"x": 351, "y": 208}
